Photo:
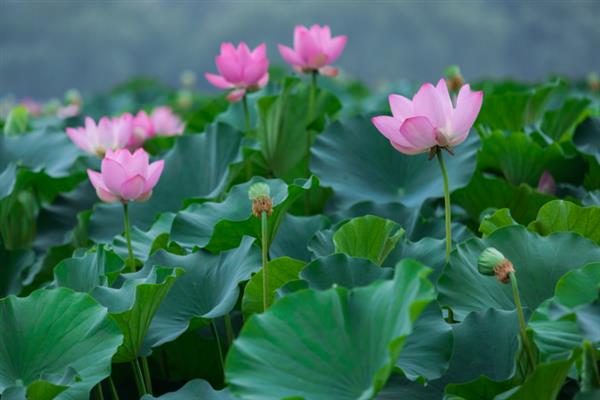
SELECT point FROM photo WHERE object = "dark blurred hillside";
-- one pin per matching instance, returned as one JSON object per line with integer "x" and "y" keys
{"x": 47, "y": 47}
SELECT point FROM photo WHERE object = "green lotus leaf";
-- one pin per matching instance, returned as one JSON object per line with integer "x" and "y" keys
{"x": 220, "y": 226}
{"x": 16, "y": 121}
{"x": 280, "y": 271}
{"x": 208, "y": 289}
{"x": 92, "y": 269}
{"x": 587, "y": 137}
{"x": 484, "y": 192}
{"x": 8, "y": 179}
{"x": 562, "y": 122}
{"x": 539, "y": 263}
{"x": 13, "y": 270}
{"x": 564, "y": 216}
{"x": 56, "y": 343}
{"x": 368, "y": 237}
{"x": 359, "y": 164}
{"x": 294, "y": 235}
{"x": 194, "y": 389}
{"x": 521, "y": 160}
{"x": 144, "y": 243}
{"x": 305, "y": 345}
{"x": 197, "y": 166}
{"x": 498, "y": 219}
{"x": 509, "y": 107}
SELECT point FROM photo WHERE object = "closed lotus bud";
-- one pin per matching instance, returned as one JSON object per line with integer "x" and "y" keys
{"x": 492, "y": 262}
{"x": 260, "y": 194}
{"x": 593, "y": 82}
{"x": 454, "y": 79}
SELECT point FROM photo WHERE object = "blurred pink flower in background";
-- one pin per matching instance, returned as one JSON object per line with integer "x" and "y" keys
{"x": 126, "y": 177}
{"x": 314, "y": 50}
{"x": 68, "y": 111}
{"x": 142, "y": 129}
{"x": 108, "y": 134}
{"x": 240, "y": 69}
{"x": 430, "y": 120}
{"x": 165, "y": 122}
{"x": 547, "y": 184}
{"x": 34, "y": 107}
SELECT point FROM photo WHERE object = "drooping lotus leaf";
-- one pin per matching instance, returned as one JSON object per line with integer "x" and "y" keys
{"x": 359, "y": 164}
{"x": 197, "y": 166}
{"x": 562, "y": 122}
{"x": 539, "y": 263}
{"x": 368, "y": 237}
{"x": 8, "y": 179}
{"x": 294, "y": 235}
{"x": 279, "y": 272}
{"x": 521, "y": 160}
{"x": 484, "y": 192}
{"x": 13, "y": 269}
{"x": 333, "y": 344}
{"x": 132, "y": 299}
{"x": 208, "y": 289}
{"x": 587, "y": 137}
{"x": 143, "y": 243}
{"x": 498, "y": 219}
{"x": 55, "y": 342}
{"x": 564, "y": 216}
{"x": 220, "y": 226}
{"x": 194, "y": 389}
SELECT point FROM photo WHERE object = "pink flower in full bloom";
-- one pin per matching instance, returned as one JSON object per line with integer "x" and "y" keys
{"x": 108, "y": 134}
{"x": 240, "y": 69}
{"x": 430, "y": 120}
{"x": 314, "y": 50}
{"x": 141, "y": 129}
{"x": 165, "y": 122}
{"x": 126, "y": 177}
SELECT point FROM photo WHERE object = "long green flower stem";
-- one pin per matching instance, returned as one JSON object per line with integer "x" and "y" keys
{"x": 246, "y": 113}
{"x": 310, "y": 115}
{"x": 113, "y": 388}
{"x": 99, "y": 393}
{"x": 219, "y": 348}
{"x": 147, "y": 376}
{"x": 228, "y": 329}
{"x": 522, "y": 324}
{"x": 448, "y": 211}
{"x": 139, "y": 379}
{"x": 265, "y": 258}
{"x": 131, "y": 259}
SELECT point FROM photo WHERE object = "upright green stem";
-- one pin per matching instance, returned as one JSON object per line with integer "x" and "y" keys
{"x": 448, "y": 211}
{"x": 131, "y": 259}
{"x": 522, "y": 324}
{"x": 310, "y": 115}
{"x": 265, "y": 258}
{"x": 99, "y": 393}
{"x": 228, "y": 329}
{"x": 246, "y": 113}
{"x": 113, "y": 388}
{"x": 139, "y": 379}
{"x": 147, "y": 376}
{"x": 219, "y": 348}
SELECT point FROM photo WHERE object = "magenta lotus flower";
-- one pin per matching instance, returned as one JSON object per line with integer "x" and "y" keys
{"x": 165, "y": 122}
{"x": 126, "y": 177}
{"x": 430, "y": 121}
{"x": 108, "y": 134}
{"x": 241, "y": 69}
{"x": 314, "y": 50}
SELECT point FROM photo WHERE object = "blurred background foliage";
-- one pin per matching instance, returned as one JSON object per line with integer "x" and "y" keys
{"x": 48, "y": 47}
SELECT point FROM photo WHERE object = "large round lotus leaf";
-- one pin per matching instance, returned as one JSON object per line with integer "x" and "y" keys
{"x": 194, "y": 389}
{"x": 208, "y": 289}
{"x": 539, "y": 262}
{"x": 197, "y": 166}
{"x": 294, "y": 235}
{"x": 56, "y": 340}
{"x": 333, "y": 344}
{"x": 220, "y": 226}
{"x": 360, "y": 164}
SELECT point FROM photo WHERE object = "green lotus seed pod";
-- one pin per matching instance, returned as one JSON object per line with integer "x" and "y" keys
{"x": 489, "y": 260}
{"x": 451, "y": 71}
{"x": 259, "y": 190}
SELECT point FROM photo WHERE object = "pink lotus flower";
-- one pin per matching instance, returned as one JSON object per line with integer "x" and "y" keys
{"x": 430, "y": 121}
{"x": 165, "y": 122}
{"x": 110, "y": 134}
{"x": 547, "y": 184}
{"x": 241, "y": 69}
{"x": 141, "y": 129}
{"x": 34, "y": 108}
{"x": 314, "y": 50}
{"x": 126, "y": 177}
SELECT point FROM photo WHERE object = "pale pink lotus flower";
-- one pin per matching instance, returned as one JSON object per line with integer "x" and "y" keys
{"x": 108, "y": 134}
{"x": 68, "y": 111}
{"x": 141, "y": 130}
{"x": 430, "y": 120}
{"x": 126, "y": 177}
{"x": 314, "y": 50}
{"x": 547, "y": 184}
{"x": 165, "y": 122}
{"x": 240, "y": 69}
{"x": 33, "y": 107}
